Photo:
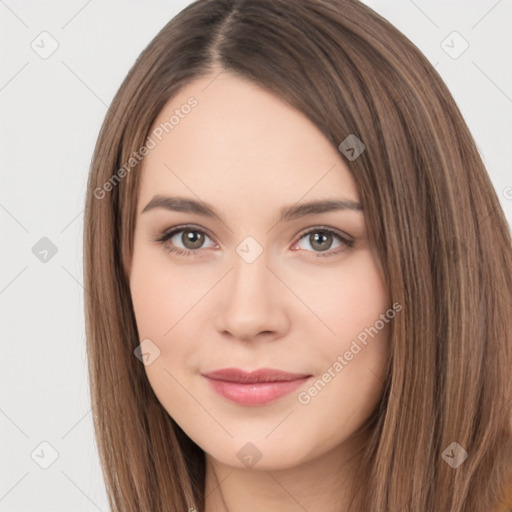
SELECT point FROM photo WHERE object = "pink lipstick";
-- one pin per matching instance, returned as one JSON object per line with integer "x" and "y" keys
{"x": 254, "y": 388}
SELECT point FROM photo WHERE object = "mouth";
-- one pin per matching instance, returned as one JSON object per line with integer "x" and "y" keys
{"x": 254, "y": 388}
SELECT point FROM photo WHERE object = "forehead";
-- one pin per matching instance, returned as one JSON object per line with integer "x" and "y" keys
{"x": 240, "y": 141}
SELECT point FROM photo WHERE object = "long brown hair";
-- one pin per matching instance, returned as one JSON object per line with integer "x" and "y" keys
{"x": 432, "y": 214}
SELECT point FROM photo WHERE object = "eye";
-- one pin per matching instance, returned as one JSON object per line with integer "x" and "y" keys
{"x": 190, "y": 237}
{"x": 321, "y": 239}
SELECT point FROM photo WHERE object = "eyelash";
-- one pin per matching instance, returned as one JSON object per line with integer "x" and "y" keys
{"x": 168, "y": 234}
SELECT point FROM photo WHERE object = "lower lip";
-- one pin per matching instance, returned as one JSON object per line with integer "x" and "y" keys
{"x": 256, "y": 393}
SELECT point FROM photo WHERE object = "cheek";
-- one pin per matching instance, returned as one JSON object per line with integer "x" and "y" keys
{"x": 160, "y": 295}
{"x": 351, "y": 358}
{"x": 168, "y": 307}
{"x": 348, "y": 300}
{"x": 160, "y": 302}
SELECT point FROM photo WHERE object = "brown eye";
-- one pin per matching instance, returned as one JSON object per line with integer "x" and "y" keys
{"x": 321, "y": 240}
{"x": 184, "y": 240}
{"x": 192, "y": 239}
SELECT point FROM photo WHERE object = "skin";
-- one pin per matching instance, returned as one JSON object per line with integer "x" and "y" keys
{"x": 248, "y": 154}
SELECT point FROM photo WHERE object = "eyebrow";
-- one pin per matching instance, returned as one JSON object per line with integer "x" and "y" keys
{"x": 182, "y": 204}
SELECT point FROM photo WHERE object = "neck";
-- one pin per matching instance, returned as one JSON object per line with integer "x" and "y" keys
{"x": 323, "y": 483}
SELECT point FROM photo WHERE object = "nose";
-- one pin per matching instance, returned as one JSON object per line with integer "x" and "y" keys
{"x": 253, "y": 302}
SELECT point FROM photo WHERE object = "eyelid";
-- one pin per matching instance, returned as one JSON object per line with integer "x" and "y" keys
{"x": 317, "y": 227}
{"x": 347, "y": 241}
{"x": 169, "y": 233}
{"x": 345, "y": 238}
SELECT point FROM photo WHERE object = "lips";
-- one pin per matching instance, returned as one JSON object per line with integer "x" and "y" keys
{"x": 254, "y": 388}
{"x": 262, "y": 375}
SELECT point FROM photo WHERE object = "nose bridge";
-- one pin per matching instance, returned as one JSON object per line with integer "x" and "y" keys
{"x": 251, "y": 304}
{"x": 251, "y": 277}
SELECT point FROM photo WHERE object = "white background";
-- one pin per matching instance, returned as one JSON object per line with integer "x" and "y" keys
{"x": 50, "y": 114}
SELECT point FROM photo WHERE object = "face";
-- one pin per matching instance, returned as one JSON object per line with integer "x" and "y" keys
{"x": 236, "y": 283}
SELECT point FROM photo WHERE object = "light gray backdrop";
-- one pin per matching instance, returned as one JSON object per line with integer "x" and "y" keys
{"x": 62, "y": 63}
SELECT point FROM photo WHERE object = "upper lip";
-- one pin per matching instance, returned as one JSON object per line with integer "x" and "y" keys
{"x": 261, "y": 375}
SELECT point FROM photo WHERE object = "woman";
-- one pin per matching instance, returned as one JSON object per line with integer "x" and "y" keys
{"x": 299, "y": 275}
